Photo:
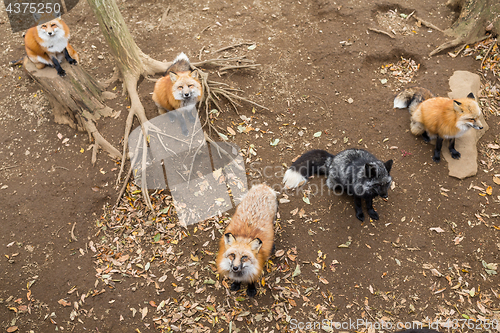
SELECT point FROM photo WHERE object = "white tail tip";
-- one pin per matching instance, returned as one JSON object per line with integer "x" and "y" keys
{"x": 293, "y": 179}
{"x": 400, "y": 103}
{"x": 181, "y": 56}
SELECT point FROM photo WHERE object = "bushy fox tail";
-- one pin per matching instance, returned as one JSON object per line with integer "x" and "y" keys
{"x": 410, "y": 98}
{"x": 181, "y": 57}
{"x": 311, "y": 163}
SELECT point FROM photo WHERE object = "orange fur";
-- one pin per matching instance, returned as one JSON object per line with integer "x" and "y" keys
{"x": 34, "y": 43}
{"x": 163, "y": 95}
{"x": 254, "y": 218}
{"x": 168, "y": 94}
{"x": 444, "y": 117}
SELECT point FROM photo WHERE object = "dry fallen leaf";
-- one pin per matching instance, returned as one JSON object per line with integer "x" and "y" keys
{"x": 144, "y": 312}
{"x": 435, "y": 272}
{"x": 279, "y": 253}
{"x": 63, "y": 302}
{"x": 489, "y": 190}
{"x": 231, "y": 131}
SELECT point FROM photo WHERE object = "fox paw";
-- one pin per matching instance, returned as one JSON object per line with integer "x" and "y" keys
{"x": 436, "y": 158}
{"x": 235, "y": 286}
{"x": 360, "y": 216}
{"x": 73, "y": 62}
{"x": 373, "y": 214}
{"x": 455, "y": 154}
{"x": 61, "y": 73}
{"x": 251, "y": 290}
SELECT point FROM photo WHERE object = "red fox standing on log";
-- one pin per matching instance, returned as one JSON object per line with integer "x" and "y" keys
{"x": 47, "y": 44}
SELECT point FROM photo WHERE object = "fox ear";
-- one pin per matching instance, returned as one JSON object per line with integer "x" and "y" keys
{"x": 229, "y": 239}
{"x": 194, "y": 74}
{"x": 370, "y": 170}
{"x": 388, "y": 165}
{"x": 457, "y": 106}
{"x": 256, "y": 244}
{"x": 37, "y": 17}
{"x": 173, "y": 76}
{"x": 471, "y": 95}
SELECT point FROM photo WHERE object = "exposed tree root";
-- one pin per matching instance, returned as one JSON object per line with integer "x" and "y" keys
{"x": 453, "y": 43}
{"x": 447, "y": 45}
{"x": 477, "y": 21}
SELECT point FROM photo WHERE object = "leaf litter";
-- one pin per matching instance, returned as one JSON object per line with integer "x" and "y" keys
{"x": 139, "y": 246}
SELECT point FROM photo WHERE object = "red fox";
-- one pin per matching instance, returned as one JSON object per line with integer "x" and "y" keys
{"x": 249, "y": 238}
{"x": 179, "y": 87}
{"x": 439, "y": 117}
{"x": 47, "y": 44}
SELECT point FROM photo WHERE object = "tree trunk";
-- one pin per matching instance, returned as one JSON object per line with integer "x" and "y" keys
{"x": 78, "y": 104}
{"x": 476, "y": 19}
{"x": 131, "y": 62}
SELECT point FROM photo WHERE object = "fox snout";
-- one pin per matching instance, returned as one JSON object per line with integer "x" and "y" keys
{"x": 476, "y": 125}
{"x": 187, "y": 94}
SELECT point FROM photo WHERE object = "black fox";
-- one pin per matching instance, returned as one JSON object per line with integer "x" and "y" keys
{"x": 355, "y": 172}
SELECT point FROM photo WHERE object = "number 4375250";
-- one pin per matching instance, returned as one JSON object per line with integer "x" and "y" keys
{"x": 28, "y": 7}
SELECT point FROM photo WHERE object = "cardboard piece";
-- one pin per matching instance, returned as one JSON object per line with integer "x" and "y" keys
{"x": 461, "y": 84}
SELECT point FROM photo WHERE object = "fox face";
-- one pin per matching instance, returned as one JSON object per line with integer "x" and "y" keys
{"x": 185, "y": 86}
{"x": 51, "y": 30}
{"x": 379, "y": 179}
{"x": 468, "y": 112}
{"x": 240, "y": 258}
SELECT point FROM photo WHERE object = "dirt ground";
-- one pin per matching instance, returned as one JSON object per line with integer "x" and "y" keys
{"x": 430, "y": 258}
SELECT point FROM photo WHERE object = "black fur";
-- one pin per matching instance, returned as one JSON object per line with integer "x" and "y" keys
{"x": 312, "y": 163}
{"x": 68, "y": 57}
{"x": 57, "y": 66}
{"x": 454, "y": 153}
{"x": 354, "y": 172}
{"x": 251, "y": 290}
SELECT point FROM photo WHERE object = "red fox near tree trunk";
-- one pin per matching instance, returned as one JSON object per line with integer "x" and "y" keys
{"x": 47, "y": 44}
